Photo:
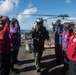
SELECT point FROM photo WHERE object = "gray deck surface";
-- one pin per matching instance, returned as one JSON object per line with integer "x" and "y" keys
{"x": 26, "y": 65}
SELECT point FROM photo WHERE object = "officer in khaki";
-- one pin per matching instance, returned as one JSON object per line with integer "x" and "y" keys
{"x": 39, "y": 35}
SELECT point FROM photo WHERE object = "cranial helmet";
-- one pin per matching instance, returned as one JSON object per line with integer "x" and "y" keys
{"x": 39, "y": 20}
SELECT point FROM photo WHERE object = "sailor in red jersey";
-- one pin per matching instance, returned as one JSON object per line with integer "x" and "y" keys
{"x": 71, "y": 53}
{"x": 5, "y": 50}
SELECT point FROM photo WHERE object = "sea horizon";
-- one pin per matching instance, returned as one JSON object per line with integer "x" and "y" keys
{"x": 23, "y": 31}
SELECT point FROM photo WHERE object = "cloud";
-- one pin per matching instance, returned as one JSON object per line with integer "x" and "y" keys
{"x": 15, "y": 1}
{"x": 23, "y": 15}
{"x": 30, "y": 5}
{"x": 68, "y": 1}
{"x": 8, "y": 6}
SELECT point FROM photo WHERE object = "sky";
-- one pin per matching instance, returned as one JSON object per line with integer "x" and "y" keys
{"x": 19, "y": 8}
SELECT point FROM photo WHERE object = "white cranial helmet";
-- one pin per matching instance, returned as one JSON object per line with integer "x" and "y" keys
{"x": 39, "y": 20}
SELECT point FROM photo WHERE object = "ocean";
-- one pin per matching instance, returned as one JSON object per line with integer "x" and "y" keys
{"x": 25, "y": 31}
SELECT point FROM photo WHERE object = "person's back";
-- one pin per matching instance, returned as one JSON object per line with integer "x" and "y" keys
{"x": 58, "y": 44}
{"x": 56, "y": 33}
{"x": 65, "y": 38}
{"x": 4, "y": 38}
{"x": 15, "y": 42}
{"x": 14, "y": 27}
{"x": 14, "y": 34}
{"x": 5, "y": 50}
{"x": 71, "y": 52}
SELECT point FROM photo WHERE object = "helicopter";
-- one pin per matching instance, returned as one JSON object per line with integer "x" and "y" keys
{"x": 63, "y": 16}
{"x": 61, "y": 21}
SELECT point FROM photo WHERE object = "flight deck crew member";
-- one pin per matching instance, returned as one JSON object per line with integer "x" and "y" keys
{"x": 15, "y": 42}
{"x": 58, "y": 44}
{"x": 39, "y": 34}
{"x": 71, "y": 53}
{"x": 5, "y": 50}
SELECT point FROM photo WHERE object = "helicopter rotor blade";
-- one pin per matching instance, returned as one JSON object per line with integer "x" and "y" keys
{"x": 39, "y": 14}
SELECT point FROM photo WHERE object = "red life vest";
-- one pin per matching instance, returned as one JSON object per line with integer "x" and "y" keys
{"x": 5, "y": 40}
{"x": 71, "y": 50}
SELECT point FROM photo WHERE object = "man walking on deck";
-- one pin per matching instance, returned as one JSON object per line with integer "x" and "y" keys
{"x": 39, "y": 34}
